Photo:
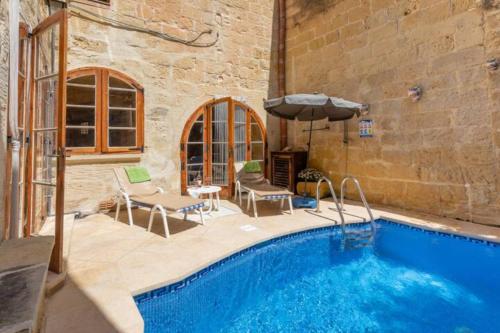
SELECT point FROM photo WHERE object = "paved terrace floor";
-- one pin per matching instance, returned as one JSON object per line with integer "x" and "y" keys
{"x": 108, "y": 262}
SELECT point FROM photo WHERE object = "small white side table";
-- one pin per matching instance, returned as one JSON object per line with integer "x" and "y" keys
{"x": 197, "y": 191}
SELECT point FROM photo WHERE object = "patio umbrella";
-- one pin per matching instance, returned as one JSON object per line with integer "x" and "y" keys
{"x": 310, "y": 107}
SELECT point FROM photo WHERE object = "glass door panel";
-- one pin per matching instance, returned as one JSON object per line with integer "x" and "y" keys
{"x": 80, "y": 112}
{"x": 220, "y": 142}
{"x": 44, "y": 132}
{"x": 195, "y": 150}
{"x": 256, "y": 141}
{"x": 122, "y": 104}
{"x": 240, "y": 138}
{"x": 46, "y": 176}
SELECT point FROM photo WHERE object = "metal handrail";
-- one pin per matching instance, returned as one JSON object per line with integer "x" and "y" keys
{"x": 363, "y": 199}
{"x": 324, "y": 179}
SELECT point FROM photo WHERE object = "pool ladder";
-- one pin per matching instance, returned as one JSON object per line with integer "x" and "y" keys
{"x": 351, "y": 239}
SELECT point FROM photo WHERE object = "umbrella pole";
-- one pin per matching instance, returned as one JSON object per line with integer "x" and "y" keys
{"x": 308, "y": 152}
{"x": 309, "y": 142}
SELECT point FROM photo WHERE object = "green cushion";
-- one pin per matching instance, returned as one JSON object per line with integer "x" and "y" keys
{"x": 137, "y": 174}
{"x": 252, "y": 167}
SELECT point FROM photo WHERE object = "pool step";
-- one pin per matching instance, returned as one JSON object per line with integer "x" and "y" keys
{"x": 357, "y": 239}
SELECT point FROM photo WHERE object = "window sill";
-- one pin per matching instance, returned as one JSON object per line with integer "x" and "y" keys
{"x": 102, "y": 158}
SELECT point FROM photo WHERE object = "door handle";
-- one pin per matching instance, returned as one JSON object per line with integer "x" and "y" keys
{"x": 63, "y": 152}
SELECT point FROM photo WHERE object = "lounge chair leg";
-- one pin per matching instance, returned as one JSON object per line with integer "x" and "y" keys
{"x": 163, "y": 214}
{"x": 249, "y": 197}
{"x": 218, "y": 201}
{"x": 129, "y": 212}
{"x": 165, "y": 222}
{"x": 151, "y": 217}
{"x": 254, "y": 205}
{"x": 201, "y": 216}
{"x": 117, "y": 209}
{"x": 290, "y": 204}
{"x": 238, "y": 192}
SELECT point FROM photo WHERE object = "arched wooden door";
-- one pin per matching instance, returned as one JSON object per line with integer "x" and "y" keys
{"x": 216, "y": 135}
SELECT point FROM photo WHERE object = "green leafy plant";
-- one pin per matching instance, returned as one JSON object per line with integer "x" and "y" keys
{"x": 310, "y": 174}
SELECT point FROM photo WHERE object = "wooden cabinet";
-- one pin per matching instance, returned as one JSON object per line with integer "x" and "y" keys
{"x": 285, "y": 167}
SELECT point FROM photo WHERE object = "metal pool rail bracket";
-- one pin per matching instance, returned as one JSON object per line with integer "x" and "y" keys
{"x": 332, "y": 191}
{"x": 351, "y": 239}
{"x": 362, "y": 196}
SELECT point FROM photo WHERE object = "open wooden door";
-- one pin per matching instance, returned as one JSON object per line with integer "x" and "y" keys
{"x": 46, "y": 159}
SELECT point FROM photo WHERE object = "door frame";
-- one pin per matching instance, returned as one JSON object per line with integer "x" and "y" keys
{"x": 61, "y": 18}
{"x": 205, "y": 110}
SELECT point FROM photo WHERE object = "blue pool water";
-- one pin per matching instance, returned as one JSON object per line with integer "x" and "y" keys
{"x": 410, "y": 280}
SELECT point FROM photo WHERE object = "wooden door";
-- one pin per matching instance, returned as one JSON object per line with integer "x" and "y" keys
{"x": 45, "y": 193}
{"x": 220, "y": 145}
{"x": 218, "y": 134}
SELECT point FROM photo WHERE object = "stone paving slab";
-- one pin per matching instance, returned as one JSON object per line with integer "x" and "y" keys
{"x": 23, "y": 270}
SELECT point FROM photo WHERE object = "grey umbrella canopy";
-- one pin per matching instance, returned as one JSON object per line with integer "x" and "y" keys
{"x": 308, "y": 107}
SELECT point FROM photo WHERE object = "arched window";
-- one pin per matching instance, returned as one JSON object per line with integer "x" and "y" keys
{"x": 218, "y": 134}
{"x": 104, "y": 112}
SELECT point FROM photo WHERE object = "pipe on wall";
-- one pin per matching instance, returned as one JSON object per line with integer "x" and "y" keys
{"x": 14, "y": 223}
{"x": 282, "y": 67}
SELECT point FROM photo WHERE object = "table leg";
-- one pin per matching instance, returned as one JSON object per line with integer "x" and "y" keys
{"x": 218, "y": 200}
{"x": 210, "y": 202}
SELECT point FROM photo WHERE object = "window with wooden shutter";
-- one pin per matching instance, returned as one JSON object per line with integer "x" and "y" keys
{"x": 104, "y": 112}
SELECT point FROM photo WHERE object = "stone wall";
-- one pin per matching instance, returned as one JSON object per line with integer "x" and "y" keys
{"x": 440, "y": 155}
{"x": 35, "y": 11}
{"x": 177, "y": 78}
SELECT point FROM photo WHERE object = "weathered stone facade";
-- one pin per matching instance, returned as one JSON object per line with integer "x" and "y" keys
{"x": 177, "y": 79}
{"x": 440, "y": 155}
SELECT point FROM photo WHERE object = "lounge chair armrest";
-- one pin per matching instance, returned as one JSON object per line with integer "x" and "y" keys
{"x": 124, "y": 195}
{"x": 160, "y": 190}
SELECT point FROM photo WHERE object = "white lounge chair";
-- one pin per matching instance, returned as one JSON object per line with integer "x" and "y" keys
{"x": 146, "y": 195}
{"x": 258, "y": 186}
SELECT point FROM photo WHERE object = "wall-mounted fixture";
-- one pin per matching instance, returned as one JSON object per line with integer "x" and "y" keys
{"x": 415, "y": 93}
{"x": 485, "y": 4}
{"x": 364, "y": 110}
{"x": 492, "y": 64}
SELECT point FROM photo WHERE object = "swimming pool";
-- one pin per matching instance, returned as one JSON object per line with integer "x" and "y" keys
{"x": 410, "y": 280}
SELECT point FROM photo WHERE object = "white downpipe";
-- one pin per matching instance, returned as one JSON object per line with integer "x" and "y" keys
{"x": 14, "y": 225}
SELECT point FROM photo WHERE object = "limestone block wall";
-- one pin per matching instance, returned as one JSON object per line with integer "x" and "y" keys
{"x": 440, "y": 155}
{"x": 177, "y": 78}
